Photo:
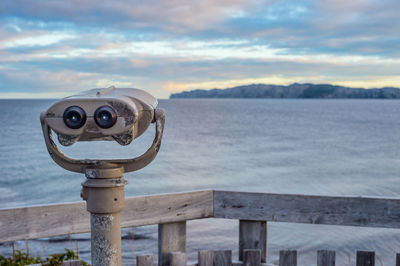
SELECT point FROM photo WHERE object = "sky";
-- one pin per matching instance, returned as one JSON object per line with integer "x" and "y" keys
{"x": 52, "y": 49}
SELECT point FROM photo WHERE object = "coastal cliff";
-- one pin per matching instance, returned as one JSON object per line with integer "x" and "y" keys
{"x": 295, "y": 90}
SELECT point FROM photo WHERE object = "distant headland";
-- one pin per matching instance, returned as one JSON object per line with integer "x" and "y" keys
{"x": 295, "y": 90}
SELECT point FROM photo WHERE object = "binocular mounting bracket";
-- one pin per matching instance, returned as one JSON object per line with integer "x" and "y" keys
{"x": 97, "y": 166}
{"x": 103, "y": 191}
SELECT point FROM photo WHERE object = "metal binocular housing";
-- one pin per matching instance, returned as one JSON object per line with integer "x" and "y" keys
{"x": 120, "y": 114}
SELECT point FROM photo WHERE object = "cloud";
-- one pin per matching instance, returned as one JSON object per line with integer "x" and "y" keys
{"x": 176, "y": 16}
{"x": 36, "y": 40}
{"x": 329, "y": 26}
{"x": 165, "y": 46}
{"x": 364, "y": 27}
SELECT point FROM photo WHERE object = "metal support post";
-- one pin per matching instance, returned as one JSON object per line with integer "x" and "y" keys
{"x": 103, "y": 191}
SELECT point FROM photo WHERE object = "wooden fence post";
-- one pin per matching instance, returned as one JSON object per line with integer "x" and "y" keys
{"x": 253, "y": 235}
{"x": 365, "y": 258}
{"x": 175, "y": 259}
{"x": 206, "y": 258}
{"x": 171, "y": 238}
{"x": 288, "y": 258}
{"x": 223, "y": 258}
{"x": 147, "y": 260}
{"x": 326, "y": 258}
{"x": 251, "y": 257}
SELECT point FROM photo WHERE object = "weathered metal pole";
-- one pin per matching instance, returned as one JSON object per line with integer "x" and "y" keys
{"x": 103, "y": 191}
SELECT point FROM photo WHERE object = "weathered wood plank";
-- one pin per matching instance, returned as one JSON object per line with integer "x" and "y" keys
{"x": 326, "y": 258}
{"x": 352, "y": 211}
{"x": 365, "y": 258}
{"x": 171, "y": 239}
{"x": 251, "y": 257}
{"x": 157, "y": 209}
{"x": 71, "y": 218}
{"x": 288, "y": 258}
{"x": 43, "y": 221}
{"x": 147, "y": 260}
{"x": 206, "y": 258}
{"x": 223, "y": 258}
{"x": 253, "y": 235}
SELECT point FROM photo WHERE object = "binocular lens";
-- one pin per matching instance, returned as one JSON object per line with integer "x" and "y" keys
{"x": 105, "y": 116}
{"x": 74, "y": 117}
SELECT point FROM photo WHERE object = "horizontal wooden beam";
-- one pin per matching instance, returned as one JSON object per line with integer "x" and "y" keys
{"x": 43, "y": 221}
{"x": 167, "y": 208}
{"x": 71, "y": 218}
{"x": 351, "y": 211}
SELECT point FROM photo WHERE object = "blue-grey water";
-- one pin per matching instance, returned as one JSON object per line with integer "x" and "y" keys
{"x": 324, "y": 147}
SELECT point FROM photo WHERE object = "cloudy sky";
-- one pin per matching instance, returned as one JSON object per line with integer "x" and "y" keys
{"x": 56, "y": 48}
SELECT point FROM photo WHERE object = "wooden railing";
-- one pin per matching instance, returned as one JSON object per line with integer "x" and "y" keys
{"x": 171, "y": 211}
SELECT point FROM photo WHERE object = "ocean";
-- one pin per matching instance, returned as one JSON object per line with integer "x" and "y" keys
{"x": 318, "y": 147}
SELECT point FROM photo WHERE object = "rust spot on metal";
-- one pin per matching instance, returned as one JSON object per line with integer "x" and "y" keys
{"x": 50, "y": 153}
{"x": 92, "y": 173}
{"x": 124, "y": 138}
{"x": 120, "y": 181}
{"x": 67, "y": 140}
{"x": 123, "y": 111}
{"x": 102, "y": 222}
{"x": 104, "y": 253}
{"x": 158, "y": 146}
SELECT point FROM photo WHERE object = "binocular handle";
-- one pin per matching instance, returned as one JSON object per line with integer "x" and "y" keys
{"x": 137, "y": 163}
{"x": 128, "y": 165}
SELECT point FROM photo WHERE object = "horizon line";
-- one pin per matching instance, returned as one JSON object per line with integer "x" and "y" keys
{"x": 61, "y": 95}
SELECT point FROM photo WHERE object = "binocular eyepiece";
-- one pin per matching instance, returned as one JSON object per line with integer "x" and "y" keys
{"x": 75, "y": 117}
{"x": 105, "y": 116}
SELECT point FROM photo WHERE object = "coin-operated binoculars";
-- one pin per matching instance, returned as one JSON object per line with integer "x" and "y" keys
{"x": 103, "y": 114}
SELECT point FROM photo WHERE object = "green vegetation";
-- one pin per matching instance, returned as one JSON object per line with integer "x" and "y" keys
{"x": 318, "y": 92}
{"x": 22, "y": 258}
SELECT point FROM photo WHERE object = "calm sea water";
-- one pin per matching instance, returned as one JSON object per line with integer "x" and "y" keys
{"x": 324, "y": 147}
